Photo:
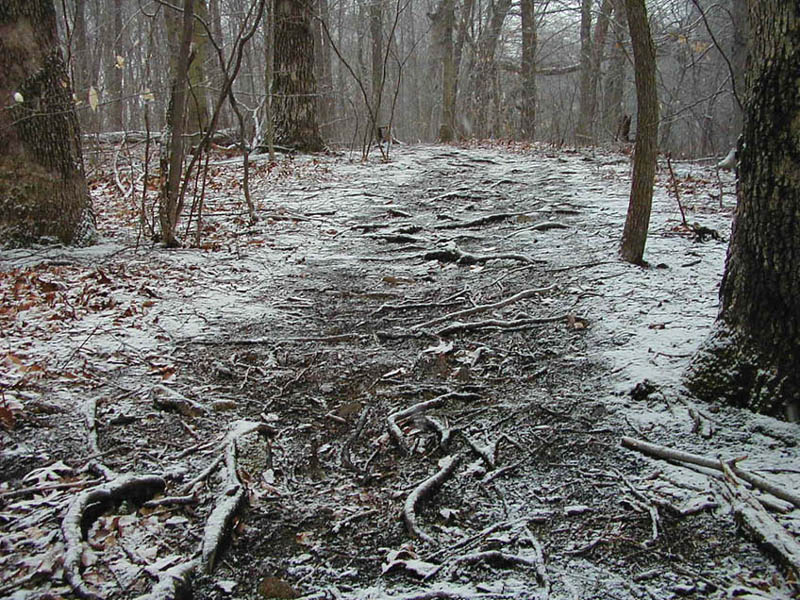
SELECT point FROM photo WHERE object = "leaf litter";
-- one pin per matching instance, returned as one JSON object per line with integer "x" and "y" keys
{"x": 408, "y": 379}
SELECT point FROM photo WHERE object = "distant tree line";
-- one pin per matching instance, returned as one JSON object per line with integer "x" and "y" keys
{"x": 556, "y": 71}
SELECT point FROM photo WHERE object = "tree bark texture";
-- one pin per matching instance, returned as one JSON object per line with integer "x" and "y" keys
{"x": 528, "y": 110}
{"x": 295, "y": 89}
{"x": 751, "y": 358}
{"x": 634, "y": 235}
{"x": 43, "y": 193}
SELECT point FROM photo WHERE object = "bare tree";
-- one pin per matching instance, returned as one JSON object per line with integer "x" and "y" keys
{"x": 528, "y": 70}
{"x": 172, "y": 143}
{"x": 443, "y": 21}
{"x": 634, "y": 235}
{"x": 752, "y": 355}
{"x": 43, "y": 190}
{"x": 584, "y": 127}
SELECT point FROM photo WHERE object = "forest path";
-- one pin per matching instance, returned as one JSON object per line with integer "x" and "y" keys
{"x": 363, "y": 291}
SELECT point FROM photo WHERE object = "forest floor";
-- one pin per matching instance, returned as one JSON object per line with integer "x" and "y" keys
{"x": 408, "y": 379}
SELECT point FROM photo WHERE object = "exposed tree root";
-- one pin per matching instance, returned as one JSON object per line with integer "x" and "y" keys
{"x": 394, "y": 418}
{"x": 498, "y": 324}
{"x": 427, "y": 488}
{"x": 454, "y": 254}
{"x": 665, "y": 453}
{"x": 172, "y": 583}
{"x": 479, "y": 221}
{"x": 485, "y": 307}
{"x": 759, "y": 525}
{"x": 87, "y": 506}
{"x": 230, "y": 501}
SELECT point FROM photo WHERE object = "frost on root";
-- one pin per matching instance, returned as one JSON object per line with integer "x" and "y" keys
{"x": 87, "y": 506}
{"x": 729, "y": 367}
{"x": 172, "y": 583}
{"x": 425, "y": 489}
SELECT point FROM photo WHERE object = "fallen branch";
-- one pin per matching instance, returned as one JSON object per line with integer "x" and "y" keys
{"x": 425, "y": 489}
{"x": 760, "y": 526}
{"x": 86, "y": 507}
{"x": 485, "y": 307}
{"x": 670, "y": 454}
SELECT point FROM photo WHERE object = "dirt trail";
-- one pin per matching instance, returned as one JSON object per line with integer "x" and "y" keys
{"x": 475, "y": 295}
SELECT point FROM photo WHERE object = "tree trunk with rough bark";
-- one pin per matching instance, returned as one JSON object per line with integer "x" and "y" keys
{"x": 43, "y": 194}
{"x": 751, "y": 358}
{"x": 294, "y": 85}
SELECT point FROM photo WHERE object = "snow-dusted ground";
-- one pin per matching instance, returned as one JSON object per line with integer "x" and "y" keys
{"x": 300, "y": 321}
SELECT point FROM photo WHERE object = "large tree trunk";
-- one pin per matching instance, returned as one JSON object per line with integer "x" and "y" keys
{"x": 740, "y": 32}
{"x": 295, "y": 88}
{"x": 634, "y": 235}
{"x": 528, "y": 110}
{"x": 752, "y": 357}
{"x": 43, "y": 192}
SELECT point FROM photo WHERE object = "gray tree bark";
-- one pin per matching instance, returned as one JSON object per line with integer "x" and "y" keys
{"x": 294, "y": 86}
{"x": 43, "y": 194}
{"x": 751, "y": 358}
{"x": 634, "y": 236}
